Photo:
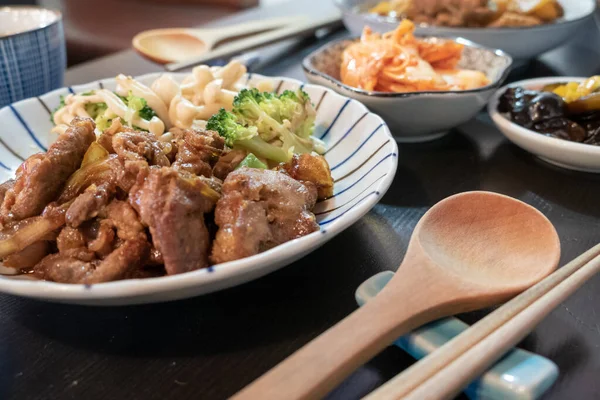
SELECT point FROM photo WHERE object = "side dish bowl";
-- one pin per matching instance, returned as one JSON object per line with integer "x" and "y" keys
{"x": 563, "y": 153}
{"x": 521, "y": 43}
{"x": 361, "y": 153}
{"x": 416, "y": 116}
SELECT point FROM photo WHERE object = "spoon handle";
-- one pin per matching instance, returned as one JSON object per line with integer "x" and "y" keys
{"x": 217, "y": 34}
{"x": 257, "y": 41}
{"x": 317, "y": 368}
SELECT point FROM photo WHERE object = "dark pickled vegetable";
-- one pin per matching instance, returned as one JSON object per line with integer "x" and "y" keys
{"x": 561, "y": 128}
{"x": 547, "y": 113}
{"x": 545, "y": 106}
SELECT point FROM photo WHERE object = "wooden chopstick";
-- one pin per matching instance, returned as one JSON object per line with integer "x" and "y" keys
{"x": 456, "y": 363}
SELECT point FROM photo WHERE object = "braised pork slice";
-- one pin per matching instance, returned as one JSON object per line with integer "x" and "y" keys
{"x": 120, "y": 264}
{"x": 261, "y": 209}
{"x": 5, "y": 187}
{"x": 41, "y": 177}
{"x": 228, "y": 162}
{"x": 197, "y": 151}
{"x": 172, "y": 204}
{"x": 88, "y": 204}
{"x": 140, "y": 146}
{"x": 29, "y": 256}
{"x": 311, "y": 168}
{"x": 71, "y": 243}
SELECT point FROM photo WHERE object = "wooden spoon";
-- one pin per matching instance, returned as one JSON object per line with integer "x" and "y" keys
{"x": 469, "y": 251}
{"x": 177, "y": 44}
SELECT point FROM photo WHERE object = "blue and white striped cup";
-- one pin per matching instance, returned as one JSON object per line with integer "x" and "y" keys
{"x": 32, "y": 52}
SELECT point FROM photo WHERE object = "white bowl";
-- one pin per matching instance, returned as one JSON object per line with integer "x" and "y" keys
{"x": 520, "y": 43}
{"x": 563, "y": 153}
{"x": 362, "y": 156}
{"x": 415, "y": 116}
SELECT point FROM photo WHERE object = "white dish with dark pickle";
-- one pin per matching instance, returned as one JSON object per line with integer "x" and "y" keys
{"x": 557, "y": 119}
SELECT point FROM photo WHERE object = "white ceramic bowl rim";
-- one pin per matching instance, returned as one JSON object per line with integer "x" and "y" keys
{"x": 57, "y": 19}
{"x": 378, "y": 18}
{"x": 307, "y": 66}
{"x": 566, "y": 145}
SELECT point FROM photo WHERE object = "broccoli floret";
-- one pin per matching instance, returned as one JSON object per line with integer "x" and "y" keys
{"x": 103, "y": 122}
{"x": 140, "y": 105}
{"x": 266, "y": 111}
{"x": 95, "y": 109}
{"x": 137, "y": 104}
{"x": 246, "y": 137}
{"x": 299, "y": 111}
{"x": 60, "y": 105}
{"x": 251, "y": 161}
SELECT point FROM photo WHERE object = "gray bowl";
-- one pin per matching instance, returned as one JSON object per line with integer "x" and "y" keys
{"x": 416, "y": 116}
{"x": 521, "y": 43}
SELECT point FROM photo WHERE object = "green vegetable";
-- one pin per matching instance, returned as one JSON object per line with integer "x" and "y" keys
{"x": 283, "y": 121}
{"x": 246, "y": 137}
{"x": 139, "y": 105}
{"x": 95, "y": 109}
{"x": 251, "y": 162}
{"x": 60, "y": 105}
{"x": 88, "y": 93}
{"x": 103, "y": 122}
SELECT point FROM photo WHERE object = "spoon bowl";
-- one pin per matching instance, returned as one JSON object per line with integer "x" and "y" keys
{"x": 177, "y": 44}
{"x": 167, "y": 45}
{"x": 469, "y": 251}
{"x": 491, "y": 241}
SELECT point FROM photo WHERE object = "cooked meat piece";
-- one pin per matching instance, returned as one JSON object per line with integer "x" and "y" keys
{"x": 29, "y": 256}
{"x": 197, "y": 150}
{"x": 71, "y": 243}
{"x": 214, "y": 183}
{"x": 311, "y": 168}
{"x": 156, "y": 257}
{"x": 101, "y": 236}
{"x": 17, "y": 235}
{"x": 105, "y": 139}
{"x": 260, "y": 209}
{"x": 450, "y": 12}
{"x": 119, "y": 264}
{"x": 124, "y": 218}
{"x": 60, "y": 268}
{"x": 41, "y": 177}
{"x": 88, "y": 204}
{"x": 227, "y": 163}
{"x": 5, "y": 187}
{"x": 172, "y": 204}
{"x": 509, "y": 19}
{"x": 140, "y": 146}
{"x": 122, "y": 262}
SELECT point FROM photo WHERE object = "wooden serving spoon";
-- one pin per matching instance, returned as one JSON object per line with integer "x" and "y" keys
{"x": 183, "y": 47}
{"x": 469, "y": 251}
{"x": 177, "y": 44}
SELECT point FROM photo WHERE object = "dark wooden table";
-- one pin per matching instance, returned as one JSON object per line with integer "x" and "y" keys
{"x": 210, "y": 347}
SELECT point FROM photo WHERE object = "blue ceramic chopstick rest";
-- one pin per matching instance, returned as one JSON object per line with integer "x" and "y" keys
{"x": 519, "y": 375}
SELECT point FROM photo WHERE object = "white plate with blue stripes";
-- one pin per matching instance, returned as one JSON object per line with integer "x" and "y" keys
{"x": 361, "y": 153}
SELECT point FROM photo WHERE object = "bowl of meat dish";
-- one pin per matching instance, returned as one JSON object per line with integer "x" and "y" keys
{"x": 522, "y": 28}
{"x": 557, "y": 119}
{"x": 422, "y": 87}
{"x": 161, "y": 187}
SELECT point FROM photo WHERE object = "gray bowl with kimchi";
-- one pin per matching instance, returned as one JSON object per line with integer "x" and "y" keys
{"x": 419, "y": 115}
